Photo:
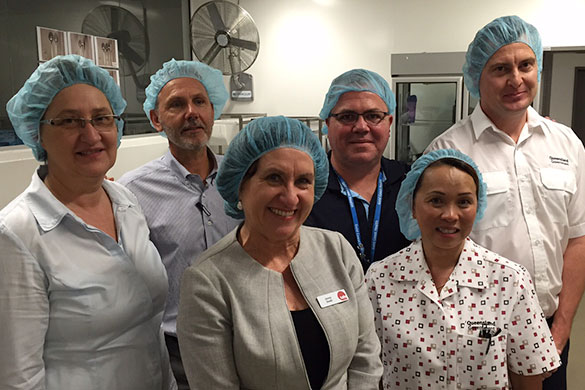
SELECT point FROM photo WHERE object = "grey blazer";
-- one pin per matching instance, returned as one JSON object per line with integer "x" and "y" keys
{"x": 235, "y": 329}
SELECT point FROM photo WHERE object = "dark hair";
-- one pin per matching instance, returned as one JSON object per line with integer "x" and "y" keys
{"x": 250, "y": 172}
{"x": 452, "y": 162}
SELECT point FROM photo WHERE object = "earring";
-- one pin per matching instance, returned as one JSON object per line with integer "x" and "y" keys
{"x": 239, "y": 205}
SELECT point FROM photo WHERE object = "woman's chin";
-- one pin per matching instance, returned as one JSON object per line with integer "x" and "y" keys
{"x": 284, "y": 231}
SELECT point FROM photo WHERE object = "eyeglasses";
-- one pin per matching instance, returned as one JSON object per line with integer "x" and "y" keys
{"x": 373, "y": 117}
{"x": 101, "y": 123}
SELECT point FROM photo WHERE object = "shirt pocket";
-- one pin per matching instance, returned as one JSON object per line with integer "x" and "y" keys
{"x": 499, "y": 198}
{"x": 557, "y": 189}
{"x": 478, "y": 369}
{"x": 558, "y": 180}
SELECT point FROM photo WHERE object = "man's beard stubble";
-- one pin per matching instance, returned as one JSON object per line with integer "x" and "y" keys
{"x": 176, "y": 137}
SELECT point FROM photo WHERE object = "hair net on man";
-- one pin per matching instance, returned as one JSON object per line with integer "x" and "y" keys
{"x": 259, "y": 137}
{"x": 27, "y": 107}
{"x": 496, "y": 34}
{"x": 357, "y": 80}
{"x": 212, "y": 80}
{"x": 404, "y": 202}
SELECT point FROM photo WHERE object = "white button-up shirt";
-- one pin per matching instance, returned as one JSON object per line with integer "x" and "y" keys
{"x": 78, "y": 309}
{"x": 536, "y": 193}
{"x": 485, "y": 321}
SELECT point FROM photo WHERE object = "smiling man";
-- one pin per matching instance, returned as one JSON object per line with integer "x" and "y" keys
{"x": 177, "y": 191}
{"x": 534, "y": 169}
{"x": 361, "y": 193}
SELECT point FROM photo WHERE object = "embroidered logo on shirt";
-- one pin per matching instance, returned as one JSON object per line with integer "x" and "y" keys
{"x": 558, "y": 160}
{"x": 481, "y": 325}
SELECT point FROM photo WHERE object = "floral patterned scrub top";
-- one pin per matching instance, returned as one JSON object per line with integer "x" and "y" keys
{"x": 485, "y": 320}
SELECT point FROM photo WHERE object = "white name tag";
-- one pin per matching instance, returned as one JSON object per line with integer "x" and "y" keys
{"x": 332, "y": 298}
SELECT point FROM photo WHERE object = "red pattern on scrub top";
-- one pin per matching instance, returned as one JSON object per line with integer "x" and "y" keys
{"x": 432, "y": 341}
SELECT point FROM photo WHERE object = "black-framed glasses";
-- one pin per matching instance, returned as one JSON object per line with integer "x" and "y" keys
{"x": 373, "y": 117}
{"x": 102, "y": 123}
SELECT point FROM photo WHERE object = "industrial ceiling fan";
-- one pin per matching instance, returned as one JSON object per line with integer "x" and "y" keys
{"x": 118, "y": 23}
{"x": 224, "y": 36}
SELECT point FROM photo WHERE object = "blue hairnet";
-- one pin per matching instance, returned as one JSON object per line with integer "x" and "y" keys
{"x": 259, "y": 137}
{"x": 496, "y": 34}
{"x": 357, "y": 80}
{"x": 212, "y": 80}
{"x": 404, "y": 201}
{"x": 27, "y": 107}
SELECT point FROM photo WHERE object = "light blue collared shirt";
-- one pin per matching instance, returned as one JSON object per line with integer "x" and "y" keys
{"x": 78, "y": 309}
{"x": 179, "y": 228}
{"x": 355, "y": 195}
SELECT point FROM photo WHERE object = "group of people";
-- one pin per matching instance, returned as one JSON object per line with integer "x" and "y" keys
{"x": 247, "y": 271}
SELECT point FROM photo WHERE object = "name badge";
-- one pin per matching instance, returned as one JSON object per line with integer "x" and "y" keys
{"x": 332, "y": 298}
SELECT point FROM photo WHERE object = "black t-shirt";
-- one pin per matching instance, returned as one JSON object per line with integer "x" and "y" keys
{"x": 314, "y": 346}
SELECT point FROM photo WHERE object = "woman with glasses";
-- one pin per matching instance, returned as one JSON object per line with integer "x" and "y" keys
{"x": 82, "y": 288}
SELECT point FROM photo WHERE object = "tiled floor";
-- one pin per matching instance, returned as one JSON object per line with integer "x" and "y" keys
{"x": 576, "y": 379}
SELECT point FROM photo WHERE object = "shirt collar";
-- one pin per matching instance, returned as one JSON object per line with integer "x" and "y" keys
{"x": 470, "y": 270}
{"x": 49, "y": 211}
{"x": 334, "y": 184}
{"x": 535, "y": 121}
{"x": 355, "y": 194}
{"x": 410, "y": 265}
{"x": 180, "y": 171}
{"x": 482, "y": 123}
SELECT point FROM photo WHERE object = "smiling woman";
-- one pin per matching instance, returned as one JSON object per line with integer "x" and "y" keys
{"x": 473, "y": 318}
{"x": 78, "y": 153}
{"x": 275, "y": 304}
{"x": 278, "y": 197}
{"x": 82, "y": 289}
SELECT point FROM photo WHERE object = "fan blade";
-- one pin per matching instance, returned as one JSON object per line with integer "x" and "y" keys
{"x": 129, "y": 53}
{"x": 211, "y": 53}
{"x": 237, "y": 22}
{"x": 120, "y": 35}
{"x": 216, "y": 20}
{"x": 133, "y": 74}
{"x": 114, "y": 14}
{"x": 246, "y": 59}
{"x": 243, "y": 44}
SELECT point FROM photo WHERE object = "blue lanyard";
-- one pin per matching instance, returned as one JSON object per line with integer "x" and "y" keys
{"x": 356, "y": 224}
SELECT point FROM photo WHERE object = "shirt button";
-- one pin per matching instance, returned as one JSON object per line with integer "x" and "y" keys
{"x": 210, "y": 222}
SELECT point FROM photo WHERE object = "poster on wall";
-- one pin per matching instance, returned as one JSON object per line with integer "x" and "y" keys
{"x": 102, "y": 51}
{"x": 81, "y": 44}
{"x": 115, "y": 75}
{"x": 106, "y": 52}
{"x": 50, "y": 43}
